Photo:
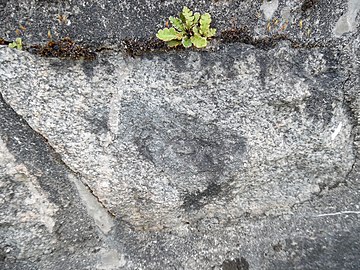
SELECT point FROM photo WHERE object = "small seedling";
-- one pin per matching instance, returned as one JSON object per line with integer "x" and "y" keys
{"x": 189, "y": 29}
{"x": 17, "y": 44}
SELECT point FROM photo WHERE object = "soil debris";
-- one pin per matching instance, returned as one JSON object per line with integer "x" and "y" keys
{"x": 64, "y": 48}
{"x": 4, "y": 42}
{"x": 133, "y": 47}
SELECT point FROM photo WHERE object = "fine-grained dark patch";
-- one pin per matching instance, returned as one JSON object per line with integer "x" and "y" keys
{"x": 98, "y": 120}
{"x": 88, "y": 68}
{"x": 195, "y": 154}
{"x": 178, "y": 150}
{"x": 8, "y": 190}
{"x": 236, "y": 264}
{"x": 179, "y": 144}
{"x": 338, "y": 251}
{"x": 243, "y": 35}
{"x": 183, "y": 152}
{"x": 2, "y": 255}
{"x": 319, "y": 105}
{"x": 195, "y": 201}
{"x": 308, "y": 4}
{"x": 263, "y": 64}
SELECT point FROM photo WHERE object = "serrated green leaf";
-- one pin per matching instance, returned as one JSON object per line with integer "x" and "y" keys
{"x": 173, "y": 43}
{"x": 199, "y": 41}
{"x": 189, "y": 17}
{"x": 182, "y": 18}
{"x": 168, "y": 34}
{"x": 187, "y": 13}
{"x": 195, "y": 30}
{"x": 196, "y": 17}
{"x": 205, "y": 21}
{"x": 177, "y": 23}
{"x": 16, "y": 44}
{"x": 186, "y": 42}
{"x": 211, "y": 32}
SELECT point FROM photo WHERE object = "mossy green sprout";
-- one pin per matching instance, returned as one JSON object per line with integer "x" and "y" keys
{"x": 17, "y": 44}
{"x": 189, "y": 29}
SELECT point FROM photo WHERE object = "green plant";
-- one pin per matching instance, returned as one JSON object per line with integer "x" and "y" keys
{"x": 16, "y": 44}
{"x": 189, "y": 29}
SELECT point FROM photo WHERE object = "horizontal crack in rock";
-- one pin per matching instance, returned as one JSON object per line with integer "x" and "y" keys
{"x": 66, "y": 48}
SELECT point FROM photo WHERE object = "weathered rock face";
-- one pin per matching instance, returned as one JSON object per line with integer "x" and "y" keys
{"x": 206, "y": 138}
{"x": 236, "y": 157}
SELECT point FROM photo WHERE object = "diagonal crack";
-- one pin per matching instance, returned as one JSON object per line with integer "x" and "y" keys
{"x": 95, "y": 207}
{"x": 65, "y": 188}
{"x": 98, "y": 199}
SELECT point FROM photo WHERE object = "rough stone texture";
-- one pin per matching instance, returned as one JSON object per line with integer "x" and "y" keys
{"x": 41, "y": 214}
{"x": 108, "y": 22}
{"x": 236, "y": 157}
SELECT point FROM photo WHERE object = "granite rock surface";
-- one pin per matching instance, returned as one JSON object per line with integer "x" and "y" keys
{"x": 238, "y": 156}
